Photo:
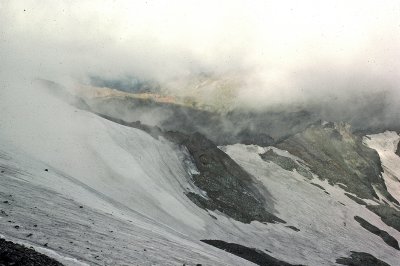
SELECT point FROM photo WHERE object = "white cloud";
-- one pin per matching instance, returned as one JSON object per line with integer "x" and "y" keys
{"x": 287, "y": 49}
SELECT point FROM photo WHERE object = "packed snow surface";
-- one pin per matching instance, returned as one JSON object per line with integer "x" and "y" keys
{"x": 386, "y": 145}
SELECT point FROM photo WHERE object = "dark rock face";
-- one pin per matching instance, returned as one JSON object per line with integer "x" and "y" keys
{"x": 251, "y": 254}
{"x": 229, "y": 188}
{"x": 294, "y": 228}
{"x": 14, "y": 254}
{"x": 286, "y": 163}
{"x": 318, "y": 186}
{"x": 357, "y": 200}
{"x": 390, "y": 240}
{"x": 334, "y": 153}
{"x": 389, "y": 215}
{"x": 398, "y": 149}
{"x": 248, "y": 137}
{"x": 361, "y": 259}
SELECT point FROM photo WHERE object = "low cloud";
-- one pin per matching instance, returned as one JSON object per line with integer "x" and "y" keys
{"x": 286, "y": 52}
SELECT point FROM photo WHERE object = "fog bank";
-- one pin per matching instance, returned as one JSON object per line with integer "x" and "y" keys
{"x": 273, "y": 52}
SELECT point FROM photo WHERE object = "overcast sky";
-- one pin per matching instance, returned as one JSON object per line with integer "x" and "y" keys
{"x": 281, "y": 49}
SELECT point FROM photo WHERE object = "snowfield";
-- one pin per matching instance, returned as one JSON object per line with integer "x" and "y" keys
{"x": 386, "y": 145}
{"x": 94, "y": 192}
{"x": 128, "y": 184}
{"x": 327, "y": 227}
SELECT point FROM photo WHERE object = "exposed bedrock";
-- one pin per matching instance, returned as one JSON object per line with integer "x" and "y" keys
{"x": 251, "y": 254}
{"x": 230, "y": 189}
{"x": 361, "y": 259}
{"x": 15, "y": 254}
{"x": 390, "y": 240}
{"x": 334, "y": 153}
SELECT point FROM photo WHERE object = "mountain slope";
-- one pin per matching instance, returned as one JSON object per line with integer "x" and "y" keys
{"x": 56, "y": 158}
{"x": 87, "y": 190}
{"x": 323, "y": 214}
{"x": 334, "y": 153}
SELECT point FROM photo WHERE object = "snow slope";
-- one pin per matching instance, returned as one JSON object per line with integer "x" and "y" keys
{"x": 126, "y": 181}
{"x": 327, "y": 227}
{"x": 114, "y": 195}
{"x": 386, "y": 145}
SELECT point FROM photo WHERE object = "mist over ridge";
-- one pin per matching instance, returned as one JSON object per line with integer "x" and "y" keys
{"x": 261, "y": 67}
{"x": 271, "y": 53}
